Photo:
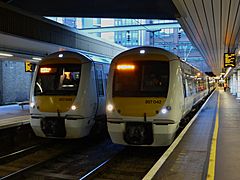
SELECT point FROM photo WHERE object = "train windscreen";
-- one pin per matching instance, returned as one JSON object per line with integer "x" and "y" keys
{"x": 141, "y": 79}
{"x": 57, "y": 79}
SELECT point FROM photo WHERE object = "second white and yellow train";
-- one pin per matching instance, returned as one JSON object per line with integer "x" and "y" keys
{"x": 149, "y": 91}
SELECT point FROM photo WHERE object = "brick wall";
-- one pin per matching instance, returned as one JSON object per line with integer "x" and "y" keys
{"x": 15, "y": 83}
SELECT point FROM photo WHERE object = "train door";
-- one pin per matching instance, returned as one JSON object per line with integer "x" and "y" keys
{"x": 188, "y": 91}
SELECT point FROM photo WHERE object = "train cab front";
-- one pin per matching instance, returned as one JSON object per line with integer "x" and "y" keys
{"x": 136, "y": 109}
{"x": 53, "y": 108}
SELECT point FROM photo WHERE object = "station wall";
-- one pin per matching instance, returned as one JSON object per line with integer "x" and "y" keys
{"x": 15, "y": 83}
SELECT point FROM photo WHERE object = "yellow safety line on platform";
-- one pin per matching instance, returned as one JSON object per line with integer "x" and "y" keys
{"x": 212, "y": 158}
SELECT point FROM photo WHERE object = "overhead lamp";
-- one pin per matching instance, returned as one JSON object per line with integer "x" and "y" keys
{"x": 37, "y": 58}
{"x": 142, "y": 51}
{"x": 6, "y": 54}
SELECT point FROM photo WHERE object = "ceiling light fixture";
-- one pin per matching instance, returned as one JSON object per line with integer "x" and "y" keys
{"x": 37, "y": 58}
{"x": 6, "y": 54}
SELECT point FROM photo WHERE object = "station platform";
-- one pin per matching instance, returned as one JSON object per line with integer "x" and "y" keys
{"x": 210, "y": 147}
{"x": 13, "y": 115}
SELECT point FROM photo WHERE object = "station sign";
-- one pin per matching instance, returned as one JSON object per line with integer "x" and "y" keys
{"x": 229, "y": 60}
{"x": 28, "y": 66}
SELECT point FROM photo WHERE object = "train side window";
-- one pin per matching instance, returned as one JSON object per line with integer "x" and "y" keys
{"x": 105, "y": 79}
{"x": 99, "y": 80}
{"x": 188, "y": 82}
{"x": 201, "y": 84}
{"x": 188, "y": 89}
{"x": 184, "y": 85}
{"x": 105, "y": 74}
{"x": 191, "y": 86}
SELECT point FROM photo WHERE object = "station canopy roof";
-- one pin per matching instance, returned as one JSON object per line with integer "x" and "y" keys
{"x": 212, "y": 26}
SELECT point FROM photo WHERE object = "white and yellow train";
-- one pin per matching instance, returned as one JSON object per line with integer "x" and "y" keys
{"x": 68, "y": 93}
{"x": 149, "y": 91}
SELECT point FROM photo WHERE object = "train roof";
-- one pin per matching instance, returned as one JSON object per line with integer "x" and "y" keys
{"x": 156, "y": 51}
{"x": 86, "y": 56}
{"x": 145, "y": 49}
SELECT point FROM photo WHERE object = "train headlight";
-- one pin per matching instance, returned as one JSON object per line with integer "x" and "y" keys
{"x": 110, "y": 107}
{"x": 73, "y": 107}
{"x": 166, "y": 109}
{"x": 32, "y": 105}
{"x": 60, "y": 55}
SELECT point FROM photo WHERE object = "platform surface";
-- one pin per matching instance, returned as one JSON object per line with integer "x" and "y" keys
{"x": 13, "y": 115}
{"x": 190, "y": 158}
{"x": 228, "y": 141}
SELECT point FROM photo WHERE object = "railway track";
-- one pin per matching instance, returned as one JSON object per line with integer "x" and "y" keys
{"x": 103, "y": 160}
{"x": 16, "y": 138}
{"x": 87, "y": 160}
{"x": 13, "y": 165}
{"x": 131, "y": 163}
{"x": 14, "y": 155}
{"x": 78, "y": 162}
{"x": 94, "y": 160}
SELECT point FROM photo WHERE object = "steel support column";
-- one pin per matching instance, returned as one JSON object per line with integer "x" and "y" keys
{"x": 238, "y": 84}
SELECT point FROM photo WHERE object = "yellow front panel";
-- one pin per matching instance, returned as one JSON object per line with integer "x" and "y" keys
{"x": 137, "y": 106}
{"x": 54, "y": 103}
